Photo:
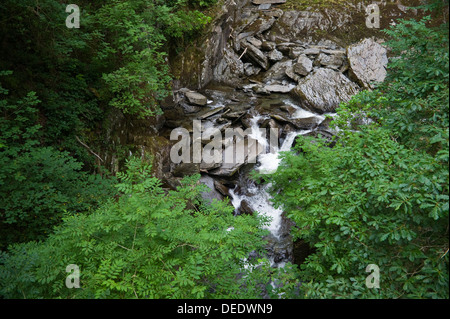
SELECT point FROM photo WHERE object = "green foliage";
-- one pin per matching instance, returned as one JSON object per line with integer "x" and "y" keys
{"x": 147, "y": 243}
{"x": 117, "y": 58}
{"x": 64, "y": 83}
{"x": 380, "y": 195}
{"x": 38, "y": 185}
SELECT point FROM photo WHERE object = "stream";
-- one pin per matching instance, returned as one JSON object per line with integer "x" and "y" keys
{"x": 245, "y": 195}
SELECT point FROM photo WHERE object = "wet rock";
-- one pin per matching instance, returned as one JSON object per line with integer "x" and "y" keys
{"x": 307, "y": 123}
{"x": 367, "y": 60}
{"x": 324, "y": 89}
{"x": 227, "y": 169}
{"x": 325, "y": 125}
{"x": 196, "y": 98}
{"x": 275, "y": 56}
{"x": 221, "y": 188}
{"x": 280, "y": 249}
{"x": 245, "y": 208}
{"x": 233, "y": 115}
{"x": 288, "y": 128}
{"x": 289, "y": 109}
{"x": 271, "y": 123}
{"x": 303, "y": 66}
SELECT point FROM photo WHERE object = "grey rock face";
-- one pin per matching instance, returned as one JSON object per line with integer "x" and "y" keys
{"x": 303, "y": 66}
{"x": 367, "y": 61}
{"x": 324, "y": 89}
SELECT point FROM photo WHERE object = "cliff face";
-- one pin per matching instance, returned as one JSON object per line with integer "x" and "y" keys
{"x": 217, "y": 55}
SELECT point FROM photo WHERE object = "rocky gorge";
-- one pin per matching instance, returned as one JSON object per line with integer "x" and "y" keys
{"x": 263, "y": 64}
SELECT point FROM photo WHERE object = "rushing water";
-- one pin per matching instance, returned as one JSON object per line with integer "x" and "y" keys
{"x": 257, "y": 196}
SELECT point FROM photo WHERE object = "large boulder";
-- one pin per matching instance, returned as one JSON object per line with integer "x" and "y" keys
{"x": 367, "y": 61}
{"x": 196, "y": 98}
{"x": 324, "y": 89}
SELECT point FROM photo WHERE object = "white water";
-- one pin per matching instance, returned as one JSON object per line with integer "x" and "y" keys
{"x": 258, "y": 197}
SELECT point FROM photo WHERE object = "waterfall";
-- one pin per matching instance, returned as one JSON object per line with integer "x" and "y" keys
{"x": 257, "y": 196}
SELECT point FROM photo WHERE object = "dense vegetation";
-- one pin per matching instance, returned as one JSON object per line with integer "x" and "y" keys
{"x": 57, "y": 87}
{"x": 379, "y": 196}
